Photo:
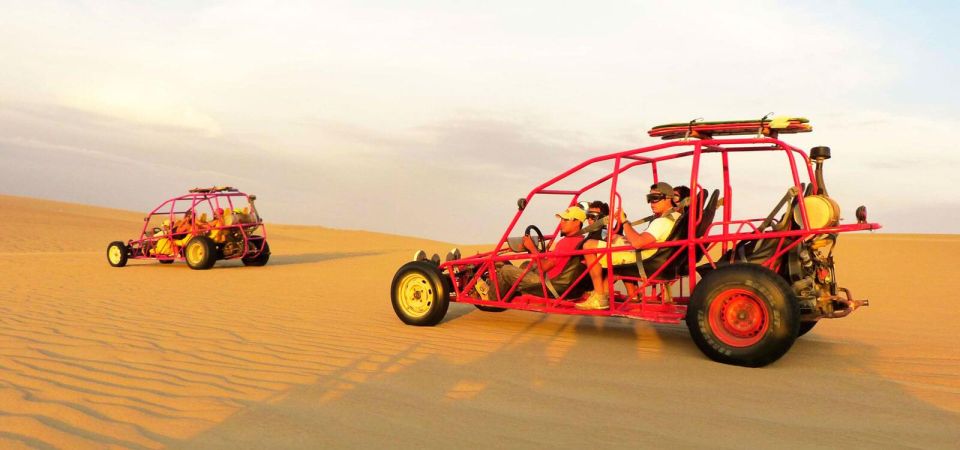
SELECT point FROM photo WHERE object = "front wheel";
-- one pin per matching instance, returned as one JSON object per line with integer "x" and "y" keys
{"x": 419, "y": 295}
{"x": 200, "y": 253}
{"x": 117, "y": 254}
{"x": 259, "y": 260}
{"x": 743, "y": 314}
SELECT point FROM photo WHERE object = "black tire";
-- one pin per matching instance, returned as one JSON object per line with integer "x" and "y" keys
{"x": 200, "y": 253}
{"x": 165, "y": 261}
{"x": 419, "y": 295}
{"x": 259, "y": 260}
{"x": 743, "y": 314}
{"x": 490, "y": 308}
{"x": 117, "y": 254}
{"x": 806, "y": 326}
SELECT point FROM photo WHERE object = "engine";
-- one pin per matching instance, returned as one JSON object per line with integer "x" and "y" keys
{"x": 810, "y": 267}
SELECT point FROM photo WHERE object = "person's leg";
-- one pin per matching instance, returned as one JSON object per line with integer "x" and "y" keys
{"x": 531, "y": 284}
{"x": 507, "y": 275}
{"x": 598, "y": 298}
{"x": 596, "y": 272}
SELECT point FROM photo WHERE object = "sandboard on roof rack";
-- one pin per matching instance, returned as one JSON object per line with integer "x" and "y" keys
{"x": 707, "y": 130}
{"x": 213, "y": 189}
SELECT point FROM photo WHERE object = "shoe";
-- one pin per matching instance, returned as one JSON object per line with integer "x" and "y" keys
{"x": 483, "y": 290}
{"x": 594, "y": 301}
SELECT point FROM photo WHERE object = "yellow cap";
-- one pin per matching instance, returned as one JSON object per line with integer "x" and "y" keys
{"x": 573, "y": 212}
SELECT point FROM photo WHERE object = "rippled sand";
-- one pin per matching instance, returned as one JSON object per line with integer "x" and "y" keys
{"x": 307, "y": 353}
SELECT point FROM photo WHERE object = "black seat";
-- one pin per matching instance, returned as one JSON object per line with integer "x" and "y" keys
{"x": 705, "y": 220}
{"x": 759, "y": 250}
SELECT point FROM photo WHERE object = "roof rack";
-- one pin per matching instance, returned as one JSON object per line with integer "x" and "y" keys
{"x": 213, "y": 189}
{"x": 707, "y": 130}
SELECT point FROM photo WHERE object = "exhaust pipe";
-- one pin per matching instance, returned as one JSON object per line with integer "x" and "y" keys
{"x": 850, "y": 304}
{"x": 819, "y": 155}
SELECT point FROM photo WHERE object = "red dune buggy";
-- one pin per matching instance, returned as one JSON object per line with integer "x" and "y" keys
{"x": 201, "y": 227}
{"x": 747, "y": 284}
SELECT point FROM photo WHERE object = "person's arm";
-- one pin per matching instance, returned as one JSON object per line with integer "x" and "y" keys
{"x": 637, "y": 239}
{"x": 546, "y": 263}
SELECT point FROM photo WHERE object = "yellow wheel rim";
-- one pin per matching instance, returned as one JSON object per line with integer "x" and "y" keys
{"x": 114, "y": 254}
{"x": 415, "y": 294}
{"x": 195, "y": 253}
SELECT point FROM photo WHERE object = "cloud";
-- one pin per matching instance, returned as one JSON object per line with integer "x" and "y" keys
{"x": 150, "y": 105}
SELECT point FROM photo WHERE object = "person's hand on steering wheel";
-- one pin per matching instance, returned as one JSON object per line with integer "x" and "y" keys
{"x": 532, "y": 246}
{"x": 529, "y": 245}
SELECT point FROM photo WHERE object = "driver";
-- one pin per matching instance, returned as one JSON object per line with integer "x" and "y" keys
{"x": 660, "y": 199}
{"x": 571, "y": 221}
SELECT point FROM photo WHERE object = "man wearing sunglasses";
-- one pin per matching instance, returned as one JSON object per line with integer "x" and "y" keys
{"x": 597, "y": 210}
{"x": 660, "y": 199}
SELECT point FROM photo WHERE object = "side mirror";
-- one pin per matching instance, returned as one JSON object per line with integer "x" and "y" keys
{"x": 862, "y": 214}
{"x": 521, "y": 203}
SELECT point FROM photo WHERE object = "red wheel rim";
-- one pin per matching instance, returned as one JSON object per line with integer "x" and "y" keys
{"x": 738, "y": 317}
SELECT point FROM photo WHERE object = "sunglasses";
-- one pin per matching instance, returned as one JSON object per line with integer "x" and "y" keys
{"x": 653, "y": 198}
{"x": 594, "y": 215}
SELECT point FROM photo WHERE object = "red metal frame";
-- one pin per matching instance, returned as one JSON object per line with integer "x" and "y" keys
{"x": 654, "y": 305}
{"x": 214, "y": 198}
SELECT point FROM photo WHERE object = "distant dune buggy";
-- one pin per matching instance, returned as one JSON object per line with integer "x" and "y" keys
{"x": 746, "y": 284}
{"x": 201, "y": 227}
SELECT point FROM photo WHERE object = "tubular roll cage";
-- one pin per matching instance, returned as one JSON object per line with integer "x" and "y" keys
{"x": 729, "y": 233}
{"x": 198, "y": 197}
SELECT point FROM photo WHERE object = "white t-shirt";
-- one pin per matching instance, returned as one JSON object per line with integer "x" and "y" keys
{"x": 660, "y": 229}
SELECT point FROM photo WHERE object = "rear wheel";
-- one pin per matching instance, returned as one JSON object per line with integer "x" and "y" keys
{"x": 419, "y": 295}
{"x": 200, "y": 253}
{"x": 806, "y": 326}
{"x": 259, "y": 260}
{"x": 743, "y": 314}
{"x": 117, "y": 254}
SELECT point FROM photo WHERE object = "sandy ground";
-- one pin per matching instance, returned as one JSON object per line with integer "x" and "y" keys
{"x": 307, "y": 353}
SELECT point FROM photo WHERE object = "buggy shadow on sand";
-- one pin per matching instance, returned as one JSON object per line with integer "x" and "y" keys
{"x": 747, "y": 287}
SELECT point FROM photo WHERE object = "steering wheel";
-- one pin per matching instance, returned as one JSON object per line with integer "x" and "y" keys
{"x": 539, "y": 242}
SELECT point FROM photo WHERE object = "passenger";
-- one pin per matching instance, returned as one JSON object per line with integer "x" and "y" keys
{"x": 680, "y": 193}
{"x": 597, "y": 210}
{"x": 183, "y": 226}
{"x": 571, "y": 221}
{"x": 217, "y": 234}
{"x": 660, "y": 199}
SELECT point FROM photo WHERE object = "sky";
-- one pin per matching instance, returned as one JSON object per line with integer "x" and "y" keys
{"x": 430, "y": 118}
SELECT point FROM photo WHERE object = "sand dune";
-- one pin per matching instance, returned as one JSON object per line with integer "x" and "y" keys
{"x": 307, "y": 353}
